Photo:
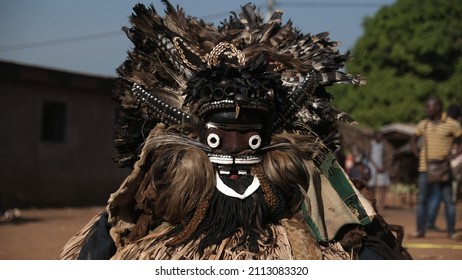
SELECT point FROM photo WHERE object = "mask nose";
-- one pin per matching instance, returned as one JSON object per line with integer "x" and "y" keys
{"x": 235, "y": 142}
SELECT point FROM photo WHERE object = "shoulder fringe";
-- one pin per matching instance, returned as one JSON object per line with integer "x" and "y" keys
{"x": 291, "y": 242}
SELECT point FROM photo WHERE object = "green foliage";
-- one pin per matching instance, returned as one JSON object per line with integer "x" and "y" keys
{"x": 409, "y": 51}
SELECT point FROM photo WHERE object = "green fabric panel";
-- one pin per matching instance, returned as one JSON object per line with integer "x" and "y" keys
{"x": 337, "y": 177}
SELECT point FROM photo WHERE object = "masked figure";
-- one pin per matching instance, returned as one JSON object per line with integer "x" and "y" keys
{"x": 229, "y": 132}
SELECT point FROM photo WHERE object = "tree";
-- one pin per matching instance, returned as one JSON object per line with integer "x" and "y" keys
{"x": 409, "y": 51}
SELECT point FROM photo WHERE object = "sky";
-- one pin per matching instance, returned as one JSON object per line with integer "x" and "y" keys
{"x": 84, "y": 36}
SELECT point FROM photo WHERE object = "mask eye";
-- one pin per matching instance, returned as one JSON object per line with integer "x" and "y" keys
{"x": 213, "y": 140}
{"x": 255, "y": 142}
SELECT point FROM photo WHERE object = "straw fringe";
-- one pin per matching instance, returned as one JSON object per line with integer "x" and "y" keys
{"x": 291, "y": 241}
{"x": 154, "y": 247}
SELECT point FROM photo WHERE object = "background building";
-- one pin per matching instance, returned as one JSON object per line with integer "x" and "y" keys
{"x": 56, "y": 139}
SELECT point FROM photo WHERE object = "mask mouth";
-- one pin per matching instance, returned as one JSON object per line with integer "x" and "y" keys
{"x": 234, "y": 172}
{"x": 236, "y": 181}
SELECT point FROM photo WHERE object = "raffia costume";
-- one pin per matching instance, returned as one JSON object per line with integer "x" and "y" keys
{"x": 230, "y": 132}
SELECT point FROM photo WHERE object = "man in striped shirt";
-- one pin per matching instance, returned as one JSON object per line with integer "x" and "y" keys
{"x": 438, "y": 133}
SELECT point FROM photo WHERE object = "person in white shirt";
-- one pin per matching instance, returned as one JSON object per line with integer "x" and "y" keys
{"x": 379, "y": 181}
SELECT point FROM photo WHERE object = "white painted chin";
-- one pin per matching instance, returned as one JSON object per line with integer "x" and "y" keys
{"x": 224, "y": 189}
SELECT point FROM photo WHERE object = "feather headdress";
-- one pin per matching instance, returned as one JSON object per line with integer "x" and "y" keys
{"x": 272, "y": 66}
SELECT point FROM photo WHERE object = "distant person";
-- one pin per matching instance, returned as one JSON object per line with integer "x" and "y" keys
{"x": 439, "y": 133}
{"x": 454, "y": 112}
{"x": 379, "y": 179}
{"x": 359, "y": 170}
